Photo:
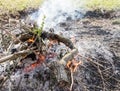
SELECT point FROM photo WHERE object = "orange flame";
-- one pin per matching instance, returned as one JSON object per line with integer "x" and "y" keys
{"x": 36, "y": 64}
{"x": 72, "y": 65}
{"x": 31, "y": 40}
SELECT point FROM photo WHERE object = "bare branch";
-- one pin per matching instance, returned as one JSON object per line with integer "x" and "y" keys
{"x": 68, "y": 56}
{"x": 15, "y": 55}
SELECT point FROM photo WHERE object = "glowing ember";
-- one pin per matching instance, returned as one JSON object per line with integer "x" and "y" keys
{"x": 72, "y": 65}
{"x": 31, "y": 40}
{"x": 40, "y": 60}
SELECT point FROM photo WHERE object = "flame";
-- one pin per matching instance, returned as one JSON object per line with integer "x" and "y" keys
{"x": 72, "y": 65}
{"x": 31, "y": 40}
{"x": 31, "y": 67}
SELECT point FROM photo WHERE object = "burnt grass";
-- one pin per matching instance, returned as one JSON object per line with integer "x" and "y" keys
{"x": 100, "y": 39}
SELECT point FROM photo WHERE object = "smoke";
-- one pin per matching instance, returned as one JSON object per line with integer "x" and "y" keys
{"x": 57, "y": 11}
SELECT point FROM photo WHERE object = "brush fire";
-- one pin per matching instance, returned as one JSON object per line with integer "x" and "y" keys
{"x": 48, "y": 51}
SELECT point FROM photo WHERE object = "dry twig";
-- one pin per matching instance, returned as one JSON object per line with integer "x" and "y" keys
{"x": 72, "y": 80}
{"x": 15, "y": 55}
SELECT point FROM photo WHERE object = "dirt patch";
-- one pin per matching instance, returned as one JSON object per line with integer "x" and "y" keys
{"x": 98, "y": 13}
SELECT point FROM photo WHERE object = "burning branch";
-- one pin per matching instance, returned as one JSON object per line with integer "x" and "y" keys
{"x": 72, "y": 65}
{"x": 57, "y": 66}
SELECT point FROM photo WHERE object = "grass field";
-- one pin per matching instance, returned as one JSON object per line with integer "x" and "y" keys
{"x": 102, "y": 4}
{"x": 16, "y": 5}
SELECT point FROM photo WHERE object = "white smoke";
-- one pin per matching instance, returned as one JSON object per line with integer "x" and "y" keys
{"x": 57, "y": 11}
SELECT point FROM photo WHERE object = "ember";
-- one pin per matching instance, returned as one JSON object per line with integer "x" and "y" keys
{"x": 31, "y": 40}
{"x": 72, "y": 65}
{"x": 32, "y": 66}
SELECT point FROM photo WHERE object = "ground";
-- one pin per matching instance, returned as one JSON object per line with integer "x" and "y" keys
{"x": 98, "y": 42}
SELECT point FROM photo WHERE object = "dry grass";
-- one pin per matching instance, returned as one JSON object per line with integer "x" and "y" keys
{"x": 103, "y": 4}
{"x": 16, "y": 5}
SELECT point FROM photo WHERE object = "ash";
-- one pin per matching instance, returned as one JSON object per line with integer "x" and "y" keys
{"x": 40, "y": 78}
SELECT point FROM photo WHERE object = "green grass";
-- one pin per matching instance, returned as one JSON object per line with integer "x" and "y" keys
{"x": 17, "y": 5}
{"x": 102, "y": 4}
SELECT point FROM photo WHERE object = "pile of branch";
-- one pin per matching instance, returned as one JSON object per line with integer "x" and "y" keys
{"x": 58, "y": 67}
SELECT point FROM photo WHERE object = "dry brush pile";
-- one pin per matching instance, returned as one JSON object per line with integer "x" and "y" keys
{"x": 35, "y": 60}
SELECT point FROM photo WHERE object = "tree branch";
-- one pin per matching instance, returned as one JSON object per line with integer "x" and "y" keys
{"x": 15, "y": 55}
